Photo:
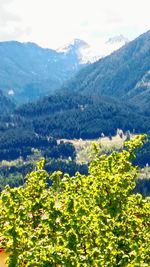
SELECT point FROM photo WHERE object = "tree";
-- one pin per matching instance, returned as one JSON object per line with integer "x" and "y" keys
{"x": 92, "y": 220}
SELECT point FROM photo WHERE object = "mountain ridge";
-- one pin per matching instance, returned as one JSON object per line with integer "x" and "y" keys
{"x": 28, "y": 71}
{"x": 116, "y": 74}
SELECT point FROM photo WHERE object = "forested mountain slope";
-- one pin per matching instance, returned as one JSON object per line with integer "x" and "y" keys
{"x": 120, "y": 75}
{"x": 76, "y": 116}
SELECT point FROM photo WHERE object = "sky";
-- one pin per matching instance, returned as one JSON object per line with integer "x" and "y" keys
{"x": 52, "y": 23}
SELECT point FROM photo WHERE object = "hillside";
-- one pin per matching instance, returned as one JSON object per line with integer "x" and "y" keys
{"x": 65, "y": 116}
{"x": 80, "y": 116}
{"x": 120, "y": 74}
{"x": 142, "y": 101}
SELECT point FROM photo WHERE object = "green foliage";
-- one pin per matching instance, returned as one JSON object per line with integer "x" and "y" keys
{"x": 85, "y": 220}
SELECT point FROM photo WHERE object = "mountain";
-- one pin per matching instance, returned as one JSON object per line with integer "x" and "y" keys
{"x": 73, "y": 47}
{"x": 118, "y": 39}
{"x": 89, "y": 54}
{"x": 114, "y": 43}
{"x": 123, "y": 74}
{"x": 79, "y": 49}
{"x": 28, "y": 71}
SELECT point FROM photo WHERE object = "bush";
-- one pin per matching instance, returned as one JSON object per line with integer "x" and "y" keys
{"x": 85, "y": 220}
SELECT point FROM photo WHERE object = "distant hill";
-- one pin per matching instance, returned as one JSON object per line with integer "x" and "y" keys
{"x": 28, "y": 71}
{"x": 125, "y": 73}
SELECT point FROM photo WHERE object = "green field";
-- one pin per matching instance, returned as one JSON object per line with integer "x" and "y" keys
{"x": 84, "y": 147}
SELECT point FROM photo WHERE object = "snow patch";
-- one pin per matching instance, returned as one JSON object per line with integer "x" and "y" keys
{"x": 11, "y": 92}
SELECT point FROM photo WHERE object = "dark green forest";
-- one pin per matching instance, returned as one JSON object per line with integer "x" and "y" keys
{"x": 75, "y": 116}
{"x": 34, "y": 130}
{"x": 39, "y": 125}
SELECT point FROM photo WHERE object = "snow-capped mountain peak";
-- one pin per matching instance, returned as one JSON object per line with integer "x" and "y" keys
{"x": 88, "y": 54}
{"x": 75, "y": 44}
{"x": 117, "y": 39}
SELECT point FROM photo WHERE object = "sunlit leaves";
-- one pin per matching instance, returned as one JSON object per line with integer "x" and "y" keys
{"x": 92, "y": 220}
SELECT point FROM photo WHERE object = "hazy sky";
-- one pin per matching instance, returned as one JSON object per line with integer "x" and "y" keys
{"x": 52, "y": 23}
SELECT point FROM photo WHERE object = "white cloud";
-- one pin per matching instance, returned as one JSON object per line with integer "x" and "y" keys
{"x": 10, "y": 27}
{"x": 52, "y": 23}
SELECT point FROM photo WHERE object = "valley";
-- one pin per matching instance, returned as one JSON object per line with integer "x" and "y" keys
{"x": 90, "y": 102}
